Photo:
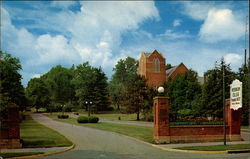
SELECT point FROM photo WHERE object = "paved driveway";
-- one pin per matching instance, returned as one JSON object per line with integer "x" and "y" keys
{"x": 97, "y": 144}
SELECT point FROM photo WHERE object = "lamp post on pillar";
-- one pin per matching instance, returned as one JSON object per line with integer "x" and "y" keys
{"x": 161, "y": 117}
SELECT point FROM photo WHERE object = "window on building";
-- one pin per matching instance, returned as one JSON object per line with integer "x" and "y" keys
{"x": 156, "y": 65}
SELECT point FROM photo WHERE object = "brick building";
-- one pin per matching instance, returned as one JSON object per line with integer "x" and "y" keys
{"x": 152, "y": 67}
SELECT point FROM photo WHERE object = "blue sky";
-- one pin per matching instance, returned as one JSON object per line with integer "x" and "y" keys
{"x": 197, "y": 33}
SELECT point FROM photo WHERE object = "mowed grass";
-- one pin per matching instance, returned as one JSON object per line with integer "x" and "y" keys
{"x": 18, "y": 154}
{"x": 140, "y": 132}
{"x": 216, "y": 147}
{"x": 34, "y": 134}
{"x": 245, "y": 127}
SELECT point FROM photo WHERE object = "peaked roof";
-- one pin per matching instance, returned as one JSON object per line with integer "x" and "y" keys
{"x": 147, "y": 54}
{"x": 171, "y": 70}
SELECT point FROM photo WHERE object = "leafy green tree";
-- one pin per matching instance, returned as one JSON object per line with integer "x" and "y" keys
{"x": 168, "y": 66}
{"x": 115, "y": 91}
{"x": 58, "y": 81}
{"x": 11, "y": 89}
{"x": 124, "y": 73}
{"x": 91, "y": 85}
{"x": 183, "y": 90}
{"x": 212, "y": 92}
{"x": 38, "y": 93}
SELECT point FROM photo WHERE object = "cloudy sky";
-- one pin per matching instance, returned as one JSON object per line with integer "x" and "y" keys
{"x": 45, "y": 34}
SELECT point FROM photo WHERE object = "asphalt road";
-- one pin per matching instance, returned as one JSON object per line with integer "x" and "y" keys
{"x": 97, "y": 144}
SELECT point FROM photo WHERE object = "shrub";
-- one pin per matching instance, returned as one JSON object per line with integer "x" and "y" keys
{"x": 82, "y": 119}
{"x": 76, "y": 113}
{"x": 63, "y": 116}
{"x": 93, "y": 119}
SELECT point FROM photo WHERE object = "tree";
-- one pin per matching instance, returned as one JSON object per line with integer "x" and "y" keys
{"x": 244, "y": 77}
{"x": 38, "y": 93}
{"x": 124, "y": 72}
{"x": 101, "y": 90}
{"x": 11, "y": 89}
{"x": 91, "y": 85}
{"x": 58, "y": 81}
{"x": 184, "y": 91}
{"x": 135, "y": 95}
{"x": 212, "y": 92}
{"x": 116, "y": 91}
{"x": 168, "y": 66}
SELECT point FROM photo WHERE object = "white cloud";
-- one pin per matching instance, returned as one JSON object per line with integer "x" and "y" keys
{"x": 221, "y": 25}
{"x": 92, "y": 34}
{"x": 196, "y": 10}
{"x": 233, "y": 59}
{"x": 35, "y": 76}
{"x": 170, "y": 34}
{"x": 177, "y": 22}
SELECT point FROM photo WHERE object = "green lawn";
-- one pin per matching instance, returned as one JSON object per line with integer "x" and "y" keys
{"x": 216, "y": 147}
{"x": 18, "y": 154}
{"x": 111, "y": 115}
{"x": 34, "y": 134}
{"x": 139, "y": 132}
{"x": 245, "y": 127}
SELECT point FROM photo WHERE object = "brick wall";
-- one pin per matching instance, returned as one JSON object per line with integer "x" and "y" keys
{"x": 10, "y": 130}
{"x": 163, "y": 133}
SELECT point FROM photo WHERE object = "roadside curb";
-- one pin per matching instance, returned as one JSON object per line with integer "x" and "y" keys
{"x": 47, "y": 153}
{"x": 188, "y": 151}
{"x": 201, "y": 152}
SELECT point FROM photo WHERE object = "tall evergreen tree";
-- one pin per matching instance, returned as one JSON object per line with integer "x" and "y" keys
{"x": 101, "y": 90}
{"x": 135, "y": 95}
{"x": 244, "y": 77}
{"x": 213, "y": 89}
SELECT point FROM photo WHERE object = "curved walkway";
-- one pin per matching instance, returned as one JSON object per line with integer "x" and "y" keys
{"x": 97, "y": 144}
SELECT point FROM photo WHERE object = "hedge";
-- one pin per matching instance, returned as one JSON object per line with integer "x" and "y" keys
{"x": 197, "y": 123}
{"x": 85, "y": 119}
{"x": 63, "y": 116}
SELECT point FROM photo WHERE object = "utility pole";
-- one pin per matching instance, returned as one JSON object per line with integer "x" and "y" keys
{"x": 224, "y": 111}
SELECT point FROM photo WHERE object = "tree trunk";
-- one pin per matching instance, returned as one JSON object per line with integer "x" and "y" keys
{"x": 118, "y": 106}
{"x": 138, "y": 116}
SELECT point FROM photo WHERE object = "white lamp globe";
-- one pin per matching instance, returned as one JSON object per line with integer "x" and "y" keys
{"x": 161, "y": 90}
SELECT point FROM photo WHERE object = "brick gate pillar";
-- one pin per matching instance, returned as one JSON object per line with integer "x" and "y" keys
{"x": 161, "y": 119}
{"x": 233, "y": 121}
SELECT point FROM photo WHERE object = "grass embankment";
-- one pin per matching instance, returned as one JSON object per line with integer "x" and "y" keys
{"x": 139, "y": 132}
{"x": 18, "y": 154}
{"x": 216, "y": 147}
{"x": 34, "y": 134}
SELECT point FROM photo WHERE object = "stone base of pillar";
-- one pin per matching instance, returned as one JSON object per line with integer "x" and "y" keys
{"x": 235, "y": 137}
{"x": 10, "y": 143}
{"x": 162, "y": 139}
